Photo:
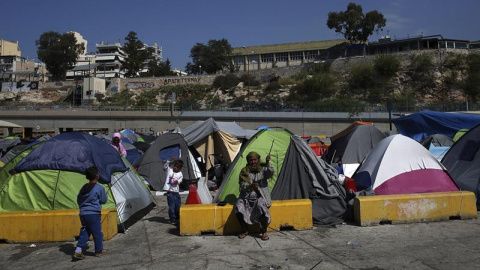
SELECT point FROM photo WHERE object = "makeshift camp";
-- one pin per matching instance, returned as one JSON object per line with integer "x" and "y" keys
{"x": 299, "y": 174}
{"x": 17, "y": 149}
{"x": 152, "y": 164}
{"x": 51, "y": 174}
{"x": 438, "y": 145}
{"x": 400, "y": 165}
{"x": 216, "y": 138}
{"x": 350, "y": 149}
{"x": 420, "y": 125}
{"x": 463, "y": 162}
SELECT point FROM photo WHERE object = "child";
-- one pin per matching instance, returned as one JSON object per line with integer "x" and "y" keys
{"x": 174, "y": 178}
{"x": 90, "y": 200}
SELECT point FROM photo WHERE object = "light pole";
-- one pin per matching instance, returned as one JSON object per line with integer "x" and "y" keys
{"x": 200, "y": 66}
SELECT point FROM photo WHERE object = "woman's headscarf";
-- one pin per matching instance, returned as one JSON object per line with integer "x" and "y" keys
{"x": 250, "y": 169}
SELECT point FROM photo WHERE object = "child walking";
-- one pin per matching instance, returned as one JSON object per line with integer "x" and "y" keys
{"x": 90, "y": 200}
{"x": 174, "y": 178}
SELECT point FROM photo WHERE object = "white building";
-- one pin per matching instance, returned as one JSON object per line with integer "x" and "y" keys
{"x": 109, "y": 58}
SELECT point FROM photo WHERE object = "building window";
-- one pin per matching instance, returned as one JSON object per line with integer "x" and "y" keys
{"x": 239, "y": 60}
{"x": 281, "y": 57}
{"x": 310, "y": 55}
{"x": 267, "y": 57}
{"x": 450, "y": 44}
{"x": 461, "y": 45}
{"x": 296, "y": 56}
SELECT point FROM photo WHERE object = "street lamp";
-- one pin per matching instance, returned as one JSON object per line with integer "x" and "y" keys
{"x": 200, "y": 66}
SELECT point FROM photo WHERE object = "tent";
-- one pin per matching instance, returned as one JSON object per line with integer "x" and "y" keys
{"x": 151, "y": 165}
{"x": 299, "y": 173}
{"x": 437, "y": 144}
{"x": 12, "y": 153}
{"x": 420, "y": 125}
{"x": 211, "y": 138}
{"x": 459, "y": 134}
{"x": 462, "y": 162}
{"x": 400, "y": 165}
{"x": 348, "y": 129}
{"x": 351, "y": 148}
{"x": 48, "y": 176}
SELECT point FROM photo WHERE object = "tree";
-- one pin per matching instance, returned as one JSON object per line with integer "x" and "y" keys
{"x": 135, "y": 55}
{"x": 356, "y": 26}
{"x": 210, "y": 58}
{"x": 59, "y": 52}
{"x": 159, "y": 69}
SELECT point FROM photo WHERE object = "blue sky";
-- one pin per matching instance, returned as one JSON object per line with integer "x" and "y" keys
{"x": 178, "y": 25}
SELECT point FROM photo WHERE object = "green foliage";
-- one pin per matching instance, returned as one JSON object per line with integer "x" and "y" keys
{"x": 472, "y": 82}
{"x": 320, "y": 68}
{"x": 134, "y": 62}
{"x": 362, "y": 78}
{"x": 210, "y": 58}
{"x": 272, "y": 87}
{"x": 387, "y": 65}
{"x": 59, "y": 52}
{"x": 335, "y": 105}
{"x": 123, "y": 98}
{"x": 159, "y": 69}
{"x": 287, "y": 81}
{"x": 421, "y": 73}
{"x": 226, "y": 81}
{"x": 356, "y": 26}
{"x": 318, "y": 87}
{"x": 249, "y": 80}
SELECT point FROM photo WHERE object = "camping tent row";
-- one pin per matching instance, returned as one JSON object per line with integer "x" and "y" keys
{"x": 48, "y": 176}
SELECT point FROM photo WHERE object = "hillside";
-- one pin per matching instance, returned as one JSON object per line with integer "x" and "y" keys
{"x": 412, "y": 80}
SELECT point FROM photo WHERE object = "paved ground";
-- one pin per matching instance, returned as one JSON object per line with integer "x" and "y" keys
{"x": 152, "y": 243}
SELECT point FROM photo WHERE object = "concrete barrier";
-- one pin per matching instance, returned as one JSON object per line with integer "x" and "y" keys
{"x": 196, "y": 219}
{"x": 50, "y": 226}
{"x": 410, "y": 208}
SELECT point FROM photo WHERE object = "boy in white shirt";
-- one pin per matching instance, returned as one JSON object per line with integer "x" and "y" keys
{"x": 174, "y": 178}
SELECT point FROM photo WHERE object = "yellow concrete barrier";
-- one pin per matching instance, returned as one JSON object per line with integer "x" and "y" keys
{"x": 410, "y": 208}
{"x": 50, "y": 226}
{"x": 196, "y": 219}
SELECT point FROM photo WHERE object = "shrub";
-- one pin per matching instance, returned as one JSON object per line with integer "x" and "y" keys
{"x": 224, "y": 82}
{"x": 319, "y": 86}
{"x": 272, "y": 87}
{"x": 387, "y": 65}
{"x": 249, "y": 80}
{"x": 362, "y": 79}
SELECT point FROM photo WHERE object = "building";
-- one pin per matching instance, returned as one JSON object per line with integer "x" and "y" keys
{"x": 388, "y": 45}
{"x": 154, "y": 54}
{"x": 9, "y": 48}
{"x": 284, "y": 55}
{"x": 109, "y": 58}
{"x": 83, "y": 60}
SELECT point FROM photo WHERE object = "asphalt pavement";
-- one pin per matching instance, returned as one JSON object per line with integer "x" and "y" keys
{"x": 153, "y": 243}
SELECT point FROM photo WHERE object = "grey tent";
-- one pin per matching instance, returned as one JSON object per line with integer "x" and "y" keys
{"x": 462, "y": 162}
{"x": 350, "y": 149}
{"x": 12, "y": 153}
{"x": 152, "y": 164}
{"x": 216, "y": 138}
{"x": 437, "y": 140}
{"x": 307, "y": 176}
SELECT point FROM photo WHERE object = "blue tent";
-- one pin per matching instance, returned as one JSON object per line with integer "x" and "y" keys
{"x": 420, "y": 125}
{"x": 75, "y": 152}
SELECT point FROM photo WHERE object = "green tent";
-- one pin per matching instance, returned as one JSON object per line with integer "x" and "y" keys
{"x": 459, "y": 134}
{"x": 50, "y": 189}
{"x": 261, "y": 143}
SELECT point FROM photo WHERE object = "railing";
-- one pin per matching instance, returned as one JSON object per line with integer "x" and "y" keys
{"x": 86, "y": 108}
{"x": 451, "y": 107}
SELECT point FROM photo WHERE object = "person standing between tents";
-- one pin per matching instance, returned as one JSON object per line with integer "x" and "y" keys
{"x": 172, "y": 183}
{"x": 254, "y": 199}
{"x": 90, "y": 200}
{"x": 117, "y": 144}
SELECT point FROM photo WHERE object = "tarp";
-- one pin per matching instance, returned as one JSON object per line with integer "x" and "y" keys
{"x": 463, "y": 162}
{"x": 350, "y": 149}
{"x": 422, "y": 124}
{"x": 151, "y": 165}
{"x": 438, "y": 145}
{"x": 74, "y": 151}
{"x": 400, "y": 165}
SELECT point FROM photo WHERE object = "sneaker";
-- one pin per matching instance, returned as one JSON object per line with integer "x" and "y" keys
{"x": 78, "y": 256}
{"x": 100, "y": 254}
